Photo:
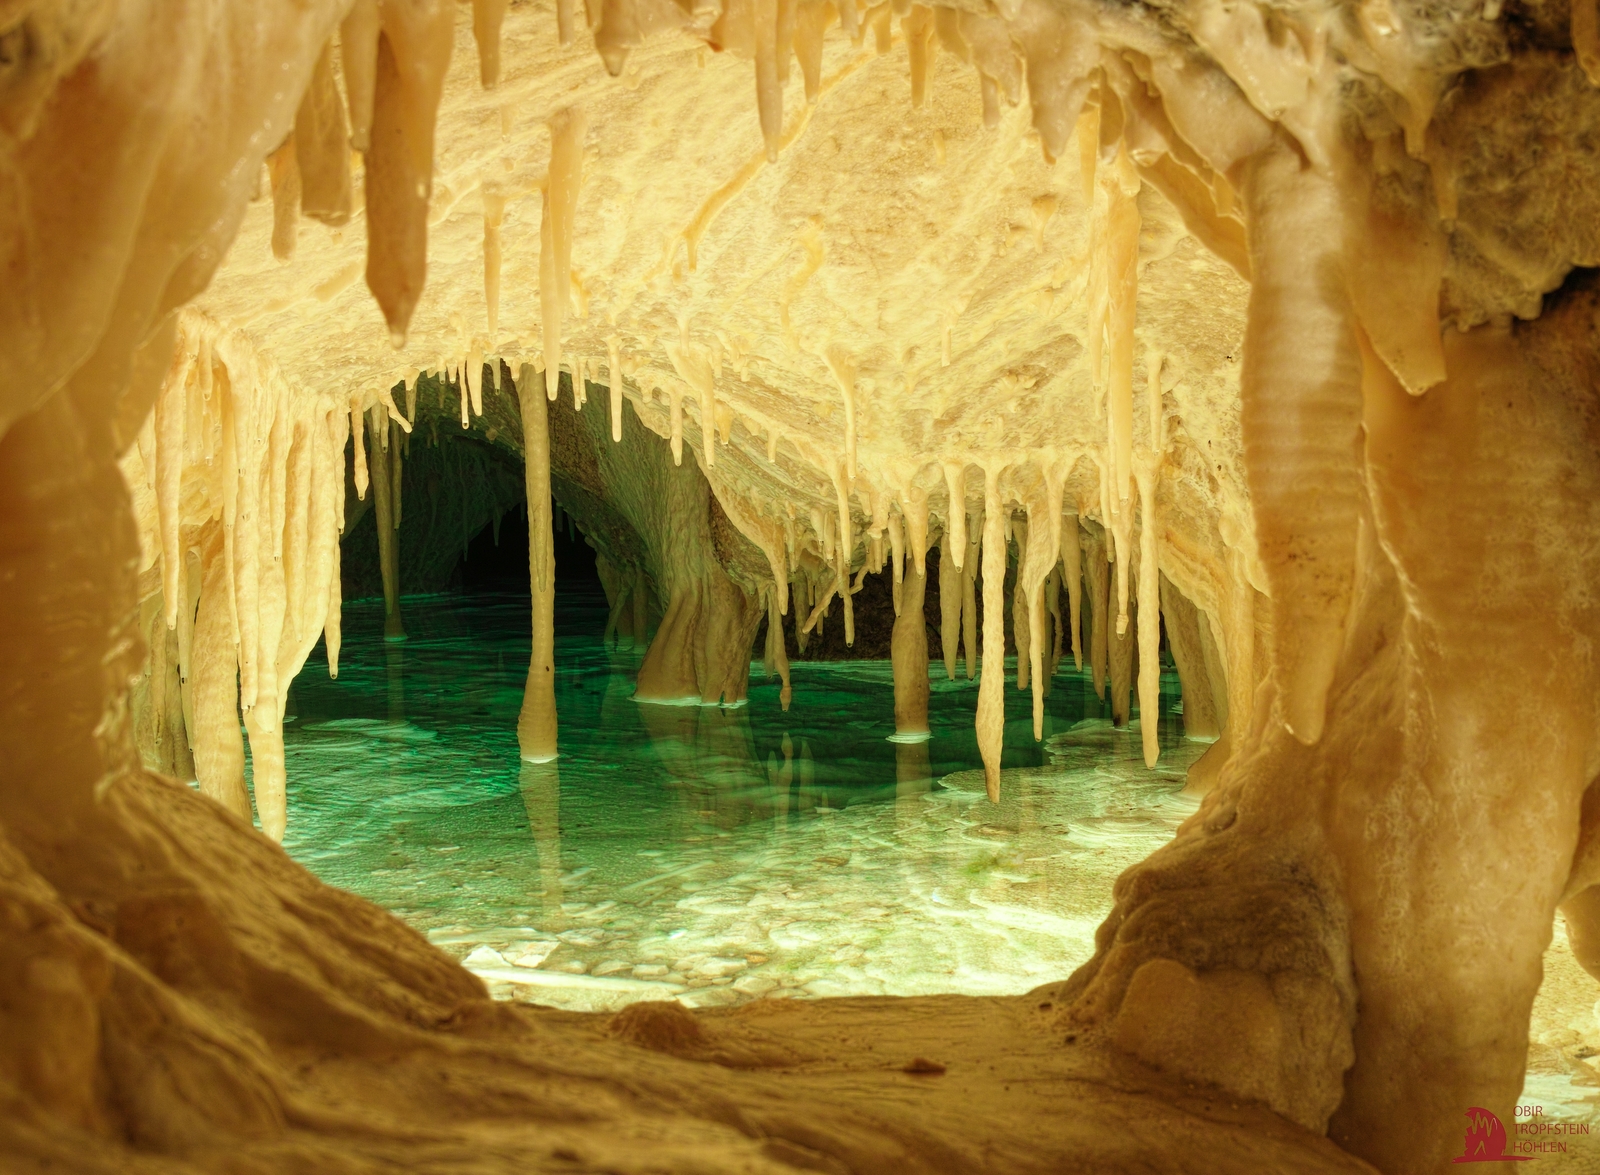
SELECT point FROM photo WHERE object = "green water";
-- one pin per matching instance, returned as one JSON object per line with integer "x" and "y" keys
{"x": 705, "y": 853}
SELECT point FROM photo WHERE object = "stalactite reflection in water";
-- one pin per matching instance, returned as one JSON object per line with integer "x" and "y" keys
{"x": 394, "y": 655}
{"x": 540, "y": 784}
{"x": 913, "y": 779}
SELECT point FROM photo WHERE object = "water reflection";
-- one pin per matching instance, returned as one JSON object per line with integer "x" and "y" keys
{"x": 540, "y": 785}
{"x": 394, "y": 655}
{"x": 706, "y": 853}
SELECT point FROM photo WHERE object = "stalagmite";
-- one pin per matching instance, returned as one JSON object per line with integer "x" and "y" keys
{"x": 413, "y": 54}
{"x": 559, "y": 210}
{"x": 909, "y": 652}
{"x": 951, "y": 584}
{"x": 536, "y": 726}
{"x": 1300, "y": 389}
{"x": 991, "y": 721}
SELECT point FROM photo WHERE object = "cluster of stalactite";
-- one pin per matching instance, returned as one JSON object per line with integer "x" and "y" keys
{"x": 1083, "y": 88}
{"x": 1340, "y": 582}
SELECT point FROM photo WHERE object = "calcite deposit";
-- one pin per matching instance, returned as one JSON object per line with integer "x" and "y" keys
{"x": 1265, "y": 325}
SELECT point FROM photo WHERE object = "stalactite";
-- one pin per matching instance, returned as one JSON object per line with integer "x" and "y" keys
{"x": 1041, "y": 546}
{"x": 811, "y": 22}
{"x": 897, "y": 560}
{"x": 1149, "y": 610}
{"x": 909, "y": 654}
{"x": 675, "y": 425}
{"x": 1120, "y": 653}
{"x": 845, "y": 553}
{"x": 614, "y": 374}
{"x": 641, "y": 608}
{"x": 1022, "y": 635}
{"x": 284, "y": 173}
{"x": 384, "y": 518}
{"x": 769, "y": 89}
{"x": 494, "y": 208}
{"x": 951, "y": 586}
{"x": 1300, "y": 388}
{"x": 991, "y": 720}
{"x": 472, "y": 380}
{"x": 170, "y": 410}
{"x": 955, "y": 521}
{"x": 413, "y": 54}
{"x": 914, "y": 509}
{"x": 396, "y": 473}
{"x": 969, "y": 598}
{"x": 780, "y": 655}
{"x": 559, "y": 212}
{"x": 1120, "y": 184}
{"x": 536, "y": 725}
{"x": 322, "y": 148}
{"x": 358, "y": 53}
{"x": 1099, "y": 578}
{"x": 844, "y": 373}
{"x": 1072, "y": 572}
{"x": 918, "y": 28}
{"x": 1184, "y": 627}
{"x": 1052, "y": 605}
{"x": 487, "y": 16}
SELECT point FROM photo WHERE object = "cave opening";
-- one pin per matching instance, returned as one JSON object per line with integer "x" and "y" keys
{"x": 622, "y": 589}
{"x": 689, "y": 852}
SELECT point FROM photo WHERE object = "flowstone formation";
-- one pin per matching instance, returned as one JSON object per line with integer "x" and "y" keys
{"x": 1264, "y": 325}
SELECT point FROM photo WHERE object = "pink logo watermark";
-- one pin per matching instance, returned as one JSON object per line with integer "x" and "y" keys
{"x": 1486, "y": 1140}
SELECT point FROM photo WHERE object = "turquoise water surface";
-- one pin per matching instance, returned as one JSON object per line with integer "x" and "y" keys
{"x": 706, "y": 853}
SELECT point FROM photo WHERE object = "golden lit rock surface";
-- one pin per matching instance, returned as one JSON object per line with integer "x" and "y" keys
{"x": 1252, "y": 335}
